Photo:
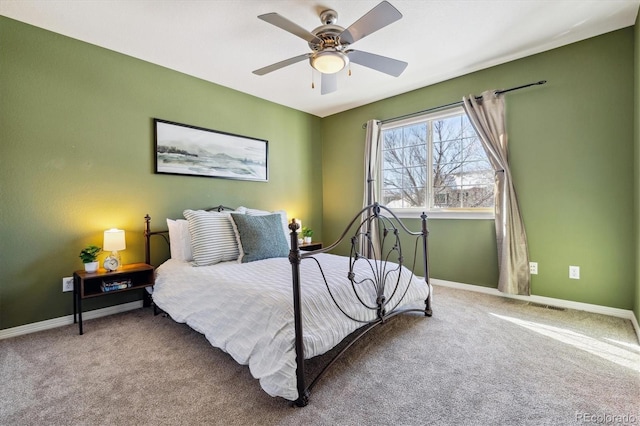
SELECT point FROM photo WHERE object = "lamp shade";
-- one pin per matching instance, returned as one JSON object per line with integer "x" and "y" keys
{"x": 114, "y": 240}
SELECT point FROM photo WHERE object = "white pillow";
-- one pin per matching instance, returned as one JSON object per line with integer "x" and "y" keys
{"x": 179, "y": 240}
{"x": 283, "y": 219}
{"x": 212, "y": 237}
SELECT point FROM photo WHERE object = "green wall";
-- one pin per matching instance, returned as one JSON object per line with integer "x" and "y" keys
{"x": 76, "y": 158}
{"x": 637, "y": 164}
{"x": 571, "y": 153}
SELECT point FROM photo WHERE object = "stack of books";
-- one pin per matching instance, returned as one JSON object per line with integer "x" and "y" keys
{"x": 113, "y": 285}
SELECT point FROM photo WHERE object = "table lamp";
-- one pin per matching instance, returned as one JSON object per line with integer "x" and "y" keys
{"x": 113, "y": 241}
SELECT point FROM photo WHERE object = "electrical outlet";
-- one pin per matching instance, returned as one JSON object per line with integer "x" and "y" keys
{"x": 574, "y": 272}
{"x": 533, "y": 268}
{"x": 67, "y": 284}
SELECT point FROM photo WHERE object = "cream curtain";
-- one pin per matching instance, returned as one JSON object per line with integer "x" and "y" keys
{"x": 371, "y": 175}
{"x": 488, "y": 119}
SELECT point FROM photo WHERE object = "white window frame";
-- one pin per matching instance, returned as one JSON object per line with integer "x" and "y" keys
{"x": 450, "y": 213}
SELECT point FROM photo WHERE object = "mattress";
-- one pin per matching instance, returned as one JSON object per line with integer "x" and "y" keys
{"x": 247, "y": 311}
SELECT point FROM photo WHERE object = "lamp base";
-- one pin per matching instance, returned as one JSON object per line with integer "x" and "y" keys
{"x": 112, "y": 262}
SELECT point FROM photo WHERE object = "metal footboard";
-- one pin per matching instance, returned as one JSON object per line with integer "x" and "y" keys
{"x": 384, "y": 260}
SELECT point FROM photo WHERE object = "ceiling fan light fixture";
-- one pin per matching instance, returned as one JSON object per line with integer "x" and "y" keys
{"x": 329, "y": 61}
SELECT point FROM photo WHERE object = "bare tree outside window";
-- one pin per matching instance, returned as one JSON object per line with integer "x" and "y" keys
{"x": 460, "y": 177}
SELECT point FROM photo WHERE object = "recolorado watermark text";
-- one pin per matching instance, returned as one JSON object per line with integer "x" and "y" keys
{"x": 607, "y": 419}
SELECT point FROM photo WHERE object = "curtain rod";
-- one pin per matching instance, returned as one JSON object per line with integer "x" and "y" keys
{"x": 497, "y": 92}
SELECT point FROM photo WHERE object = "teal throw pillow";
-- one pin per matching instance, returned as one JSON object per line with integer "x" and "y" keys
{"x": 261, "y": 237}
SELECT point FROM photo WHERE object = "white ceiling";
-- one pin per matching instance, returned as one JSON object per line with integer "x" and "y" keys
{"x": 222, "y": 41}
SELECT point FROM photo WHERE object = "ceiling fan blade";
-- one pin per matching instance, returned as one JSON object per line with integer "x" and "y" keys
{"x": 379, "y": 63}
{"x": 378, "y": 17}
{"x": 329, "y": 83}
{"x": 281, "y": 64}
{"x": 295, "y": 29}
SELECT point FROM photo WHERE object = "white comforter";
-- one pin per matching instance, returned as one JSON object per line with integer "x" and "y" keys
{"x": 247, "y": 310}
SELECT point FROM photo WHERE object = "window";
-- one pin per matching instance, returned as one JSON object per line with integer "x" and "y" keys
{"x": 436, "y": 163}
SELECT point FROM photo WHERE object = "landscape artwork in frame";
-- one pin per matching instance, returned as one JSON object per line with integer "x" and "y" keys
{"x": 195, "y": 151}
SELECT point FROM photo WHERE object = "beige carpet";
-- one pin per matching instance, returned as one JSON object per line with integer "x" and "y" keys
{"x": 479, "y": 360}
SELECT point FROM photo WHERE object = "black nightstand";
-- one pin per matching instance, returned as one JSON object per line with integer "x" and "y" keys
{"x": 134, "y": 276}
{"x": 311, "y": 246}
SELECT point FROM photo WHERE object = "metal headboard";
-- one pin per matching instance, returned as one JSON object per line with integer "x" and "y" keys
{"x": 165, "y": 234}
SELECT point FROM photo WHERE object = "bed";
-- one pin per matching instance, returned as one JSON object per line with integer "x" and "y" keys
{"x": 238, "y": 277}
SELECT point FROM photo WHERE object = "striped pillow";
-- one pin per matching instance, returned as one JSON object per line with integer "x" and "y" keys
{"x": 212, "y": 237}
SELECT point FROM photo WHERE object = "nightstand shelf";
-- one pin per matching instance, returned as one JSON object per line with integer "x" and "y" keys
{"x": 89, "y": 284}
{"x": 315, "y": 245}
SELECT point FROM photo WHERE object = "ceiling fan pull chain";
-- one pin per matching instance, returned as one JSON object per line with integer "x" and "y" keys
{"x": 313, "y": 84}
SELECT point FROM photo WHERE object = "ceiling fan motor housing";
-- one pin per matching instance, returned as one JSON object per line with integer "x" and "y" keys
{"x": 329, "y": 56}
{"x": 329, "y": 34}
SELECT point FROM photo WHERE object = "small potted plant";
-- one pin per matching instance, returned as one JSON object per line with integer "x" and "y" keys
{"x": 307, "y": 233}
{"x": 89, "y": 256}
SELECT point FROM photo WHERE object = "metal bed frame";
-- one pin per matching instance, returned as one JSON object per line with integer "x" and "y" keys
{"x": 387, "y": 257}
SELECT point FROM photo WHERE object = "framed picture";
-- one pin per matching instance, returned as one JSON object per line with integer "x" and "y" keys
{"x": 189, "y": 150}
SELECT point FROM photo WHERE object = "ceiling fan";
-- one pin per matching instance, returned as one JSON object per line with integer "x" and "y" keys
{"x": 330, "y": 44}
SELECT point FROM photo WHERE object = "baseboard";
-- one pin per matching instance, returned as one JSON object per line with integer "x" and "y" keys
{"x": 66, "y": 320}
{"x": 587, "y": 307}
{"x": 97, "y": 313}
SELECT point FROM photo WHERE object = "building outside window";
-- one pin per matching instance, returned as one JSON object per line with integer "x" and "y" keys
{"x": 435, "y": 163}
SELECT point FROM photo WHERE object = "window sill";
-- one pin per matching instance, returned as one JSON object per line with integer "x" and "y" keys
{"x": 445, "y": 214}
